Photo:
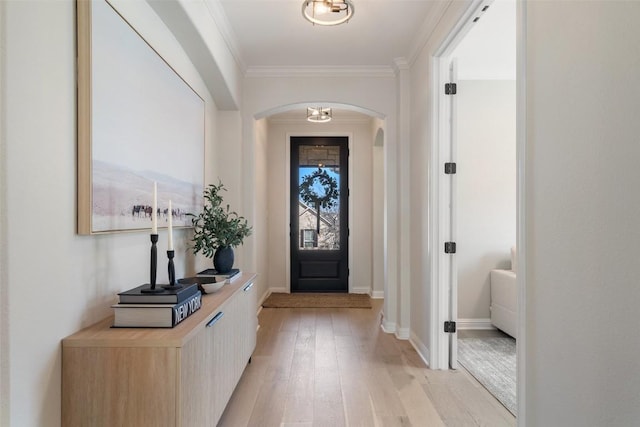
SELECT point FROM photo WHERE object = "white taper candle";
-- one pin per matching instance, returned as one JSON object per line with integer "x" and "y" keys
{"x": 154, "y": 209}
{"x": 170, "y": 243}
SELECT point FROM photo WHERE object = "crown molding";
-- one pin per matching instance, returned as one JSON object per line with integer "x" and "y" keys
{"x": 316, "y": 71}
{"x": 400, "y": 64}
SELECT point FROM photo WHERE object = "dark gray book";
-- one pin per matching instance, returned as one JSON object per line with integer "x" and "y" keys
{"x": 136, "y": 296}
{"x": 228, "y": 277}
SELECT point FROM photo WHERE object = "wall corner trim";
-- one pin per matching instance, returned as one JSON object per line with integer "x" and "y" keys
{"x": 420, "y": 348}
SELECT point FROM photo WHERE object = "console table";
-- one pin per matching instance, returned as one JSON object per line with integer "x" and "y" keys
{"x": 182, "y": 376}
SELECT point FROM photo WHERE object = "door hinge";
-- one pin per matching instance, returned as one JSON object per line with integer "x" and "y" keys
{"x": 449, "y": 247}
{"x": 450, "y": 88}
{"x": 450, "y": 327}
{"x": 450, "y": 168}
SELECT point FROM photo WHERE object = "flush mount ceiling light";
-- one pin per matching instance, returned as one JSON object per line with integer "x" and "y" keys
{"x": 327, "y": 12}
{"x": 319, "y": 114}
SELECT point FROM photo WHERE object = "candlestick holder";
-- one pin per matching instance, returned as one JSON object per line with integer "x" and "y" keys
{"x": 172, "y": 273}
{"x": 152, "y": 289}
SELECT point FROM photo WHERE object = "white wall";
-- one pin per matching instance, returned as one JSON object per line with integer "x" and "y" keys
{"x": 488, "y": 50}
{"x": 360, "y": 203}
{"x": 486, "y": 179}
{"x": 582, "y": 213}
{"x": 4, "y": 288}
{"x": 261, "y": 224}
{"x": 377, "y": 232}
{"x": 228, "y": 162}
{"x": 55, "y": 281}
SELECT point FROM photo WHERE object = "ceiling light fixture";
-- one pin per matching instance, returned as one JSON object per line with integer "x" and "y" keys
{"x": 318, "y": 114}
{"x": 327, "y": 12}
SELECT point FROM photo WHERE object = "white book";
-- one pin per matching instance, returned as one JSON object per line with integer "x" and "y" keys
{"x": 155, "y": 315}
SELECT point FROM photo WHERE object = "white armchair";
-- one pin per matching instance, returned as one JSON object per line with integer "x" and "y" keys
{"x": 504, "y": 298}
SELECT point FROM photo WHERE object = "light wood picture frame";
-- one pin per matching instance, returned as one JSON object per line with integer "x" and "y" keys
{"x": 139, "y": 122}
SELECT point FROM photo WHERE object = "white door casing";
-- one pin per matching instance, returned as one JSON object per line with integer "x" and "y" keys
{"x": 451, "y": 193}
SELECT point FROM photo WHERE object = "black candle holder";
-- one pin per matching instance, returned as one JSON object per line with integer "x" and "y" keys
{"x": 152, "y": 289}
{"x": 172, "y": 273}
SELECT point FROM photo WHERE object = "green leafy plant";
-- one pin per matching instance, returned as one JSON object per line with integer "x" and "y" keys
{"x": 217, "y": 226}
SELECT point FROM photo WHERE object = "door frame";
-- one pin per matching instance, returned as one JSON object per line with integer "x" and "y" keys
{"x": 340, "y": 255}
{"x": 287, "y": 171}
{"x": 450, "y": 217}
{"x": 439, "y": 191}
{"x": 439, "y": 197}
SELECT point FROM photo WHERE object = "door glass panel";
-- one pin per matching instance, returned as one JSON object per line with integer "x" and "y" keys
{"x": 319, "y": 201}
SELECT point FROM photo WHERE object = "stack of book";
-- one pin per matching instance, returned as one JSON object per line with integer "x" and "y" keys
{"x": 227, "y": 277}
{"x": 162, "y": 310}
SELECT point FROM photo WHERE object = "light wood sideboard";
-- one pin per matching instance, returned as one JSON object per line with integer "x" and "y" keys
{"x": 182, "y": 376}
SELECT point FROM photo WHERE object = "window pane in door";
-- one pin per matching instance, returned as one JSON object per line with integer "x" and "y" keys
{"x": 318, "y": 201}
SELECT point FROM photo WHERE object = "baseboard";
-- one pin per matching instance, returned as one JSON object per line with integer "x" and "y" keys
{"x": 281, "y": 290}
{"x": 474, "y": 324}
{"x": 420, "y": 348}
{"x": 262, "y": 298}
{"x": 402, "y": 333}
{"x": 388, "y": 327}
{"x": 377, "y": 294}
{"x": 361, "y": 291}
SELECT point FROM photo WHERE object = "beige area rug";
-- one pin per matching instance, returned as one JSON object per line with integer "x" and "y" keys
{"x": 316, "y": 300}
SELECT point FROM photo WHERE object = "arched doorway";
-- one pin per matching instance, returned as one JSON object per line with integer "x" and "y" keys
{"x": 363, "y": 128}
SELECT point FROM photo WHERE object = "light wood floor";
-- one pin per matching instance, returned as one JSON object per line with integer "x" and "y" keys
{"x": 335, "y": 367}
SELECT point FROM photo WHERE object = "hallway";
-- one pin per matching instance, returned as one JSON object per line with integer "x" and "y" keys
{"x": 335, "y": 367}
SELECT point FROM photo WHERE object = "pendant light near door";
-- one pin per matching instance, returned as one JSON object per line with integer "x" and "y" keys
{"x": 319, "y": 114}
{"x": 327, "y": 12}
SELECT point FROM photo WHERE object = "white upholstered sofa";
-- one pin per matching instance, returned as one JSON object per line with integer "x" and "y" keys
{"x": 504, "y": 298}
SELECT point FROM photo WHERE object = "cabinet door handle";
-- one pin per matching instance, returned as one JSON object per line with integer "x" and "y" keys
{"x": 249, "y": 286}
{"x": 215, "y": 318}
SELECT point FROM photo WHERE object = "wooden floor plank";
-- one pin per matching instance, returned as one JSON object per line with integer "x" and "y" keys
{"x": 300, "y": 393}
{"x": 358, "y": 406}
{"x": 420, "y": 409}
{"x": 281, "y": 360}
{"x": 328, "y": 407}
{"x": 336, "y": 367}
{"x": 240, "y": 407}
{"x": 269, "y": 406}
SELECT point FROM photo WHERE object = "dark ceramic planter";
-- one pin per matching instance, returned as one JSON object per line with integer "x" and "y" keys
{"x": 223, "y": 259}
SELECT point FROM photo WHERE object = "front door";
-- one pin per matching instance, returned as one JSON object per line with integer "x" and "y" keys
{"x": 319, "y": 214}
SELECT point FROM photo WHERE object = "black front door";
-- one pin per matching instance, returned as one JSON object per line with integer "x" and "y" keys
{"x": 319, "y": 214}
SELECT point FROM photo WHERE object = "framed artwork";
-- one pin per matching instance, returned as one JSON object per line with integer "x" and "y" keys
{"x": 139, "y": 122}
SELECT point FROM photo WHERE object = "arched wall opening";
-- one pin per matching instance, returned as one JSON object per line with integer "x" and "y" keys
{"x": 303, "y": 105}
{"x": 272, "y": 130}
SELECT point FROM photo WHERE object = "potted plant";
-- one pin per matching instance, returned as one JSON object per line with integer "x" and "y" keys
{"x": 217, "y": 229}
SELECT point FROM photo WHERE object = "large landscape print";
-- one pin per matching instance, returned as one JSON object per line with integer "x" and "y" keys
{"x": 140, "y": 123}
